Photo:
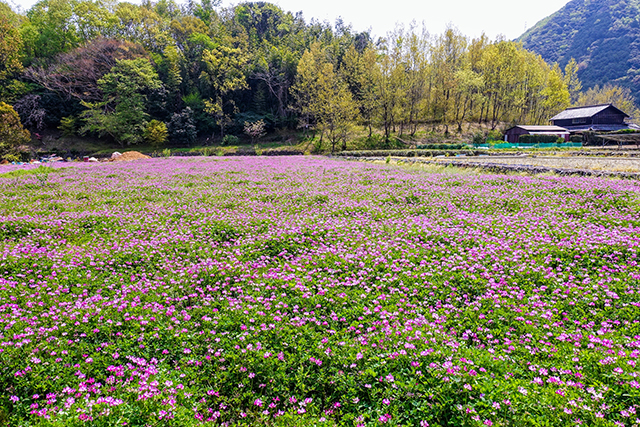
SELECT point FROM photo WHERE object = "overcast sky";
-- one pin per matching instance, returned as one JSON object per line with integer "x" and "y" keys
{"x": 507, "y": 17}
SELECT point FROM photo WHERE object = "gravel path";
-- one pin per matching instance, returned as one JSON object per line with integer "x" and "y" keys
{"x": 610, "y": 164}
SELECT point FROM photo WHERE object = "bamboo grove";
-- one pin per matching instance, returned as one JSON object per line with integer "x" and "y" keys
{"x": 198, "y": 70}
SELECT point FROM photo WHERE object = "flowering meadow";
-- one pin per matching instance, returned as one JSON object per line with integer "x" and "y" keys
{"x": 311, "y": 291}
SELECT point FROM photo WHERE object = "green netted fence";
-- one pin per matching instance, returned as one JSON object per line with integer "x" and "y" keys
{"x": 504, "y": 145}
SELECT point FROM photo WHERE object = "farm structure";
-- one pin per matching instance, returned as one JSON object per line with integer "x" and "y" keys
{"x": 602, "y": 118}
{"x": 513, "y": 134}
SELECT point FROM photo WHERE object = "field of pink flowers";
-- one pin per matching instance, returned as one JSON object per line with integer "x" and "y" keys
{"x": 309, "y": 291}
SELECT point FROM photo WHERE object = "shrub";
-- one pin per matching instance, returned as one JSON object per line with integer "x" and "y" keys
{"x": 459, "y": 146}
{"x": 156, "y": 133}
{"x": 575, "y": 138}
{"x": 31, "y": 113}
{"x": 538, "y": 139}
{"x": 283, "y": 151}
{"x": 255, "y": 130}
{"x": 11, "y": 158}
{"x": 208, "y": 151}
{"x": 230, "y": 140}
{"x": 405, "y": 153}
{"x": 67, "y": 126}
{"x": 494, "y": 135}
{"x": 478, "y": 138}
{"x": 12, "y": 133}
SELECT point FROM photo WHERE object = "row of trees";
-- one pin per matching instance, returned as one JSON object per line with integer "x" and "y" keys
{"x": 128, "y": 71}
{"x": 412, "y": 79}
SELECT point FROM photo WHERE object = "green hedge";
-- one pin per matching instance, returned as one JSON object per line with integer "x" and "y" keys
{"x": 406, "y": 153}
{"x": 242, "y": 152}
{"x": 283, "y": 151}
{"x": 538, "y": 139}
{"x": 443, "y": 146}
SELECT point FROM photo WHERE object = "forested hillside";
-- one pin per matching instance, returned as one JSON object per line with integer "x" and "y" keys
{"x": 182, "y": 73}
{"x": 603, "y": 36}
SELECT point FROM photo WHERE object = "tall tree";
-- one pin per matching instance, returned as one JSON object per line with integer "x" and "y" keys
{"x": 359, "y": 73}
{"x": 572, "y": 81}
{"x": 390, "y": 81}
{"x": 94, "y": 20}
{"x": 10, "y": 42}
{"x": 449, "y": 55}
{"x": 223, "y": 75}
{"x": 323, "y": 96}
{"x": 503, "y": 71}
{"x": 122, "y": 113}
{"x": 620, "y": 97}
{"x": 337, "y": 108}
{"x": 556, "y": 95}
{"x": 141, "y": 24}
{"x": 417, "y": 101}
{"x": 49, "y": 29}
{"x": 306, "y": 89}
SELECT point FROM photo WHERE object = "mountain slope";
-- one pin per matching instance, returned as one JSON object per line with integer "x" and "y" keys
{"x": 602, "y": 35}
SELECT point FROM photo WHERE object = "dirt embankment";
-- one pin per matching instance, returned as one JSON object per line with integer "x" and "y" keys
{"x": 128, "y": 156}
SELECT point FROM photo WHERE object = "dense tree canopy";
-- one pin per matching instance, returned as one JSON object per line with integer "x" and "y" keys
{"x": 601, "y": 37}
{"x": 203, "y": 70}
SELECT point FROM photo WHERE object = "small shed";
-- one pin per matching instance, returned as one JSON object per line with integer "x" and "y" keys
{"x": 513, "y": 134}
{"x": 603, "y": 117}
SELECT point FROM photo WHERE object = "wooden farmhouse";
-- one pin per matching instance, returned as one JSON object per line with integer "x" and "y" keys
{"x": 599, "y": 118}
{"x": 513, "y": 134}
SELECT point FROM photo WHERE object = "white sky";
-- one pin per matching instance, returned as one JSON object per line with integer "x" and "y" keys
{"x": 507, "y": 17}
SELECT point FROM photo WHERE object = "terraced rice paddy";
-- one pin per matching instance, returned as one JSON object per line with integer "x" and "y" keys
{"x": 611, "y": 164}
{"x": 308, "y": 291}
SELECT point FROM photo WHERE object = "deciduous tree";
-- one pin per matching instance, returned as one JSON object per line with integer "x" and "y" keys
{"x": 122, "y": 113}
{"x": 12, "y": 134}
{"x": 49, "y": 29}
{"x": 10, "y": 43}
{"x": 156, "y": 133}
{"x": 556, "y": 96}
{"x": 620, "y": 97}
{"x": 76, "y": 73}
{"x": 255, "y": 130}
{"x": 224, "y": 74}
{"x": 359, "y": 73}
{"x": 324, "y": 96}
{"x": 572, "y": 81}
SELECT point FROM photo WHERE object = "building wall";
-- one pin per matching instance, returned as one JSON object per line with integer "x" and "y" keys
{"x": 608, "y": 118}
{"x": 573, "y": 122}
{"x": 514, "y": 134}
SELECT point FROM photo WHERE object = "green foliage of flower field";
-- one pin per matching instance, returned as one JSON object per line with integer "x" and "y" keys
{"x": 295, "y": 291}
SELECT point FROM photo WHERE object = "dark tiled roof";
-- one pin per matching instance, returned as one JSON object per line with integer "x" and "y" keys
{"x": 583, "y": 112}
